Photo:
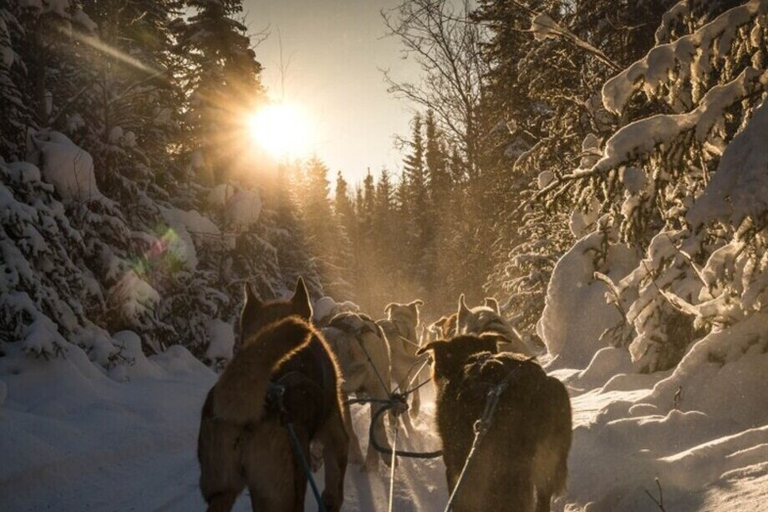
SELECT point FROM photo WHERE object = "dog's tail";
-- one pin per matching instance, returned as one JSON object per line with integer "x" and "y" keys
{"x": 240, "y": 393}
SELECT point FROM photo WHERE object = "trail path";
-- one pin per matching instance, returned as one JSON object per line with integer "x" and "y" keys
{"x": 131, "y": 447}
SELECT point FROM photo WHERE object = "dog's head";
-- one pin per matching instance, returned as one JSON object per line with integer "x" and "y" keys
{"x": 444, "y": 327}
{"x": 487, "y": 319}
{"x": 449, "y": 356}
{"x": 258, "y": 314}
{"x": 405, "y": 317}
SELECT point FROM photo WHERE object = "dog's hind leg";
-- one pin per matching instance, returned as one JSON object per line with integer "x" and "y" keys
{"x": 415, "y": 404}
{"x": 270, "y": 466}
{"x": 336, "y": 442}
{"x": 356, "y": 454}
{"x": 222, "y": 501}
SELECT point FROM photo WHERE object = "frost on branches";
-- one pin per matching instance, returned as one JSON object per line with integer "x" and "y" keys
{"x": 683, "y": 180}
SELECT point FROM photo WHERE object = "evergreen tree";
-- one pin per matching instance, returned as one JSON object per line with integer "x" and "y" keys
{"x": 325, "y": 231}
{"x": 14, "y": 115}
{"x": 222, "y": 80}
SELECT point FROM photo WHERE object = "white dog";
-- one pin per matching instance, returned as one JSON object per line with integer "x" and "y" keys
{"x": 364, "y": 357}
{"x": 400, "y": 330}
{"x": 488, "y": 319}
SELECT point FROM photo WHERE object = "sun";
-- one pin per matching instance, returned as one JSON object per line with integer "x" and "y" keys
{"x": 280, "y": 129}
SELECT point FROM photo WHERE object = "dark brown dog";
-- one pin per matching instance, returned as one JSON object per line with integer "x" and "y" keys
{"x": 522, "y": 460}
{"x": 242, "y": 441}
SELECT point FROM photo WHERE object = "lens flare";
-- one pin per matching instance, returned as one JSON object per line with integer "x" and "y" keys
{"x": 281, "y": 130}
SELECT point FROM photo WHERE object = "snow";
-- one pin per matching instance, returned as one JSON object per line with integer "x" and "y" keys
{"x": 243, "y": 209}
{"x": 739, "y": 188}
{"x": 568, "y": 333}
{"x": 679, "y": 57}
{"x": 221, "y": 338}
{"x": 641, "y": 137}
{"x": 64, "y": 164}
{"x": 24, "y": 172}
{"x": 184, "y": 228}
{"x": 104, "y": 443}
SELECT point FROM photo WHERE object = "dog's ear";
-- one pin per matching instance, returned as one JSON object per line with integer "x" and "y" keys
{"x": 437, "y": 325}
{"x": 300, "y": 300}
{"x": 462, "y": 314}
{"x": 431, "y": 346}
{"x": 389, "y": 306}
{"x": 416, "y": 303}
{"x": 250, "y": 297}
{"x": 492, "y": 303}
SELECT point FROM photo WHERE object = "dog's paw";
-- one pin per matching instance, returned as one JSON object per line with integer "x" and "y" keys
{"x": 356, "y": 457}
{"x": 316, "y": 455}
{"x": 331, "y": 501}
{"x": 372, "y": 465}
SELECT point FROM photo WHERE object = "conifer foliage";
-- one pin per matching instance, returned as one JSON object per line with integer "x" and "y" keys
{"x": 120, "y": 207}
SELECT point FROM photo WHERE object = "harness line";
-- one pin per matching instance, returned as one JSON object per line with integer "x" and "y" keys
{"x": 370, "y": 361}
{"x": 392, "y": 467}
{"x": 481, "y": 427}
{"x": 276, "y": 392}
{"x": 408, "y": 373}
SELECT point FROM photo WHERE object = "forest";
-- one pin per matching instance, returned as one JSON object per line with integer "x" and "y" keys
{"x": 600, "y": 168}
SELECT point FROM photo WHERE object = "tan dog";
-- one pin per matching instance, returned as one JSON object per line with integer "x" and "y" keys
{"x": 488, "y": 319}
{"x": 522, "y": 460}
{"x": 444, "y": 327}
{"x": 354, "y": 338}
{"x": 400, "y": 329}
{"x": 242, "y": 441}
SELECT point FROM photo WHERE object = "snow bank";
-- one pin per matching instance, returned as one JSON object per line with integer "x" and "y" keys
{"x": 74, "y": 439}
{"x": 699, "y": 426}
{"x": 576, "y": 312}
{"x": 734, "y": 362}
{"x": 220, "y": 195}
{"x": 67, "y": 166}
{"x": 607, "y": 363}
{"x": 132, "y": 364}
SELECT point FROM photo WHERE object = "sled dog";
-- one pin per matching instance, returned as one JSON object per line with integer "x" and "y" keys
{"x": 488, "y": 319}
{"x": 363, "y": 354}
{"x": 400, "y": 330}
{"x": 242, "y": 441}
{"x": 522, "y": 460}
{"x": 443, "y": 328}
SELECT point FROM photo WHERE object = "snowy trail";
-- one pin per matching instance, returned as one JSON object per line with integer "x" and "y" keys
{"x": 73, "y": 440}
{"x": 118, "y": 447}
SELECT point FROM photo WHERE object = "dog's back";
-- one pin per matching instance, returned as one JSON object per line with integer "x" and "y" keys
{"x": 526, "y": 447}
{"x": 522, "y": 460}
{"x": 242, "y": 440}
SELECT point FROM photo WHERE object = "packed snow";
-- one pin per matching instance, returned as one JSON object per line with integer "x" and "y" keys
{"x": 77, "y": 437}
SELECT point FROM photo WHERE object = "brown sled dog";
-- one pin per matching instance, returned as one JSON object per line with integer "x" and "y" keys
{"x": 522, "y": 460}
{"x": 242, "y": 441}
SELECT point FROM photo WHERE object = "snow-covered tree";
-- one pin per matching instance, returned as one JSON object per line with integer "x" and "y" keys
{"x": 679, "y": 108}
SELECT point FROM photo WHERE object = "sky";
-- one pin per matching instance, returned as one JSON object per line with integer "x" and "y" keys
{"x": 334, "y": 50}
